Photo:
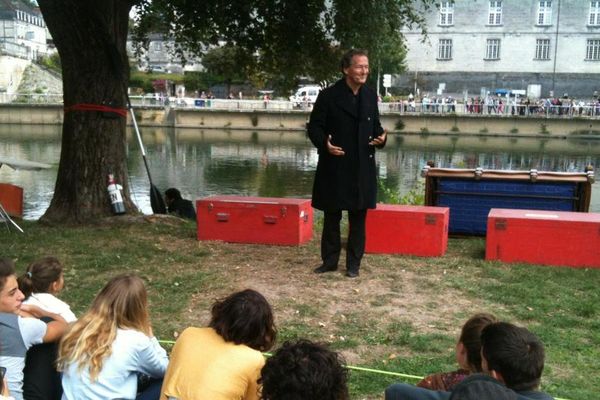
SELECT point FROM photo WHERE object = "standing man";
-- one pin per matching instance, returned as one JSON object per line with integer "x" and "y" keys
{"x": 344, "y": 126}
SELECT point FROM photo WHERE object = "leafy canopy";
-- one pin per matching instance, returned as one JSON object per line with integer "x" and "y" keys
{"x": 285, "y": 39}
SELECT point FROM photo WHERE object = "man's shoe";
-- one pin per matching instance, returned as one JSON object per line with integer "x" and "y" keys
{"x": 352, "y": 274}
{"x": 324, "y": 268}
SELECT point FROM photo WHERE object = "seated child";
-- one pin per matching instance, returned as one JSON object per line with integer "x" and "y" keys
{"x": 468, "y": 355}
{"x": 40, "y": 284}
{"x": 223, "y": 360}
{"x": 304, "y": 370}
{"x": 17, "y": 332}
{"x": 105, "y": 350}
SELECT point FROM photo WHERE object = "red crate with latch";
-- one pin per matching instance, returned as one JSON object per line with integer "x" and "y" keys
{"x": 402, "y": 229}
{"x": 544, "y": 237}
{"x": 262, "y": 220}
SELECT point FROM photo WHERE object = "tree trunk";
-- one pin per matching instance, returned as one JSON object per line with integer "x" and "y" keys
{"x": 93, "y": 143}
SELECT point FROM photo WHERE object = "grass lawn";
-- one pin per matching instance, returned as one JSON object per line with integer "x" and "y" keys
{"x": 403, "y": 314}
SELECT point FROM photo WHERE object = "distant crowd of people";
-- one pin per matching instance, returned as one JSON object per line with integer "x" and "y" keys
{"x": 110, "y": 352}
{"x": 498, "y": 105}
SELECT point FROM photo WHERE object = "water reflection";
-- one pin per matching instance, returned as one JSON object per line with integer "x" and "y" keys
{"x": 205, "y": 162}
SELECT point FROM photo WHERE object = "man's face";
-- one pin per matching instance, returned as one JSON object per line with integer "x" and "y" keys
{"x": 10, "y": 296}
{"x": 358, "y": 71}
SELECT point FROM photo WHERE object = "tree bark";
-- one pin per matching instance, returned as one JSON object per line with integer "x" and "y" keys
{"x": 93, "y": 143}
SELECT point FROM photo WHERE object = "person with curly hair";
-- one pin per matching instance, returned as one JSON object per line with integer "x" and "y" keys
{"x": 223, "y": 361}
{"x": 111, "y": 345}
{"x": 304, "y": 370}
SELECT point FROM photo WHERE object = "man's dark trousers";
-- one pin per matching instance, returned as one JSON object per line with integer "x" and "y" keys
{"x": 331, "y": 245}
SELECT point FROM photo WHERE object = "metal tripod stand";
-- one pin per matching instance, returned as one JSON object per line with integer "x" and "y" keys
{"x": 4, "y": 217}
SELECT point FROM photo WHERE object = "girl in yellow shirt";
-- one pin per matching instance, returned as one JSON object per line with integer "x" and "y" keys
{"x": 222, "y": 361}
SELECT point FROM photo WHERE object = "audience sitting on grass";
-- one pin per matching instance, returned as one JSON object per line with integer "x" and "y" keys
{"x": 512, "y": 355}
{"x": 111, "y": 353}
{"x": 223, "y": 361}
{"x": 21, "y": 328}
{"x": 468, "y": 355}
{"x": 112, "y": 345}
{"x": 304, "y": 370}
{"x": 41, "y": 283}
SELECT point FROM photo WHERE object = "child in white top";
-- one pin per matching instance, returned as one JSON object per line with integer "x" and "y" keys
{"x": 40, "y": 284}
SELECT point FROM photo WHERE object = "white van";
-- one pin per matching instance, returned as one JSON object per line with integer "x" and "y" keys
{"x": 305, "y": 96}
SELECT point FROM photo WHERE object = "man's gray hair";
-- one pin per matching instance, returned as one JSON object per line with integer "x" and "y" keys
{"x": 347, "y": 57}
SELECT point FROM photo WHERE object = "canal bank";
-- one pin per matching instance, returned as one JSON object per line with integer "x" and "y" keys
{"x": 295, "y": 120}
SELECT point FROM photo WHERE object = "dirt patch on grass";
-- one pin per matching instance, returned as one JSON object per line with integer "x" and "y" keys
{"x": 391, "y": 290}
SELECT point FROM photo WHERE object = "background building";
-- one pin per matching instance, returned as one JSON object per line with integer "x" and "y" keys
{"x": 476, "y": 46}
{"x": 162, "y": 57}
{"x": 23, "y": 31}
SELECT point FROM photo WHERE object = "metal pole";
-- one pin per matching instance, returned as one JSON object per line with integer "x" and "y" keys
{"x": 4, "y": 216}
{"x": 555, "y": 47}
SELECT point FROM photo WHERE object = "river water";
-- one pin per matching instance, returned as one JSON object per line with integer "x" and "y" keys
{"x": 280, "y": 164}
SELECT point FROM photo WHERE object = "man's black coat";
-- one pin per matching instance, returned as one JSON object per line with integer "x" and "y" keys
{"x": 347, "y": 182}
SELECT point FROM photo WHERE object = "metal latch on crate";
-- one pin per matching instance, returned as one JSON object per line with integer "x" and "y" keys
{"x": 500, "y": 224}
{"x": 222, "y": 217}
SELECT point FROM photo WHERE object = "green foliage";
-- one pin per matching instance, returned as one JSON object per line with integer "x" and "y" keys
{"x": 200, "y": 81}
{"x": 280, "y": 41}
{"x": 454, "y": 129}
{"x": 224, "y": 63}
{"x": 146, "y": 80}
{"x": 544, "y": 129}
{"x": 399, "y": 125}
{"x": 52, "y": 62}
{"x": 514, "y": 130}
{"x": 415, "y": 196}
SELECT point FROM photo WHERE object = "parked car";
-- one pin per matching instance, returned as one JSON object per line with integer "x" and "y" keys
{"x": 305, "y": 95}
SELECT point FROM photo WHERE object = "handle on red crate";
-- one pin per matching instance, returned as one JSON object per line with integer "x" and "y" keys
{"x": 430, "y": 219}
{"x": 222, "y": 217}
{"x": 270, "y": 219}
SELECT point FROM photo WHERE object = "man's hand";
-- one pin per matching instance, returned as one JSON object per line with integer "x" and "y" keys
{"x": 379, "y": 140}
{"x": 334, "y": 150}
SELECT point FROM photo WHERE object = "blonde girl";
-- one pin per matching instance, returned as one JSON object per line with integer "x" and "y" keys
{"x": 105, "y": 350}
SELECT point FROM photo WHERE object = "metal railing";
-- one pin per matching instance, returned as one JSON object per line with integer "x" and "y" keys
{"x": 532, "y": 110}
{"x": 31, "y": 98}
{"x": 586, "y": 110}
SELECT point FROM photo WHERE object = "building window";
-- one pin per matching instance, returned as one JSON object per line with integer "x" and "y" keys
{"x": 445, "y": 49}
{"x": 593, "y": 50}
{"x": 495, "y": 16}
{"x": 594, "y": 13}
{"x": 544, "y": 13}
{"x": 447, "y": 13}
{"x": 157, "y": 46}
{"x": 542, "y": 49}
{"x": 492, "y": 50}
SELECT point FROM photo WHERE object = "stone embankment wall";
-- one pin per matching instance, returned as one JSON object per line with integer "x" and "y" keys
{"x": 11, "y": 73}
{"x": 448, "y": 124}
